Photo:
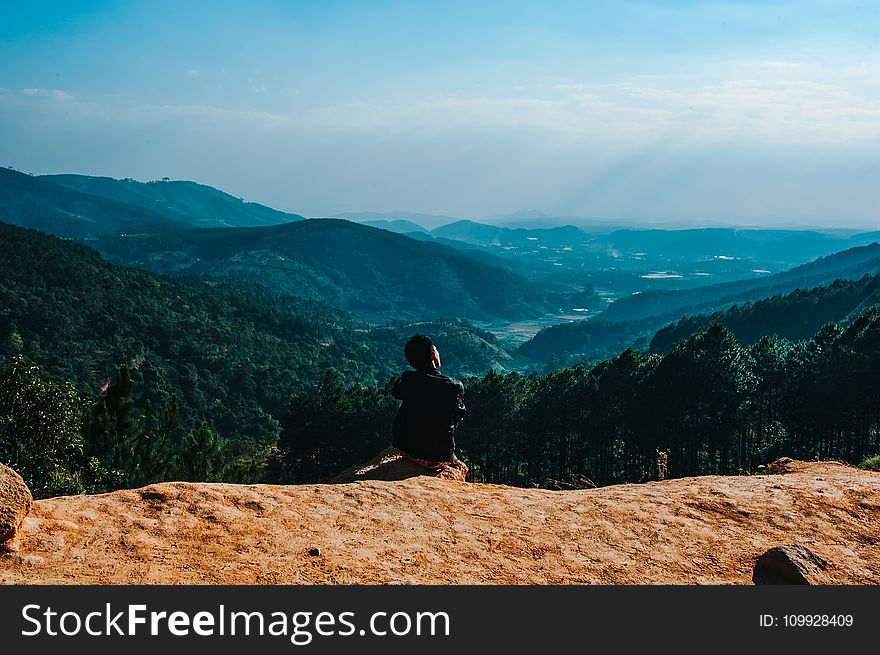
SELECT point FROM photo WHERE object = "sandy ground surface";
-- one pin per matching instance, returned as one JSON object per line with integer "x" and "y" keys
{"x": 422, "y": 530}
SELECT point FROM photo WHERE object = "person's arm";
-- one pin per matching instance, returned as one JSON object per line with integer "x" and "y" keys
{"x": 396, "y": 390}
{"x": 460, "y": 409}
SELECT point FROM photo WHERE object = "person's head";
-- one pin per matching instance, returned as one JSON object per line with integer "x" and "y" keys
{"x": 421, "y": 353}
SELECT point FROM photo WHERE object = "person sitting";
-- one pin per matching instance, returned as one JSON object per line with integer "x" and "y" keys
{"x": 432, "y": 407}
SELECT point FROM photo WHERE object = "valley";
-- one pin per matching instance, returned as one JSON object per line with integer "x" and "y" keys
{"x": 254, "y": 348}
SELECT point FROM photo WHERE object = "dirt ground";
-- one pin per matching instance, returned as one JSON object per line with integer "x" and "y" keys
{"x": 706, "y": 530}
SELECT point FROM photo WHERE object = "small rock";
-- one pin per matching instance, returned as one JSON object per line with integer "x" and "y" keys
{"x": 779, "y": 465}
{"x": 789, "y": 564}
{"x": 761, "y": 470}
{"x": 15, "y": 502}
{"x": 315, "y": 552}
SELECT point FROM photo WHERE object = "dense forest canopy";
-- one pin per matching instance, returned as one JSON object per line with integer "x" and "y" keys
{"x": 359, "y": 268}
{"x": 795, "y": 316}
{"x": 710, "y": 405}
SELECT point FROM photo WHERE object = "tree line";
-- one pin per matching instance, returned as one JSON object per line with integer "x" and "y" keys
{"x": 710, "y": 406}
{"x": 62, "y": 444}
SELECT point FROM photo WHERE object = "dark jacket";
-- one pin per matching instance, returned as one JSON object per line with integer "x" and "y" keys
{"x": 433, "y": 404}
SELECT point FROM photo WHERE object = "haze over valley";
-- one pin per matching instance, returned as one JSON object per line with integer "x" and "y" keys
{"x": 511, "y": 281}
{"x": 645, "y": 236}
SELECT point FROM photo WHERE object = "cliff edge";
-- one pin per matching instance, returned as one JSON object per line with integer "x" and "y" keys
{"x": 425, "y": 530}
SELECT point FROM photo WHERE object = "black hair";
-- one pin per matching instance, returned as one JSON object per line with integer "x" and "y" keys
{"x": 418, "y": 351}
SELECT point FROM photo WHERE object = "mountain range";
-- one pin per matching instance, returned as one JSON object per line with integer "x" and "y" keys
{"x": 371, "y": 272}
{"x": 84, "y": 207}
{"x": 408, "y": 266}
{"x": 636, "y": 318}
{"x": 230, "y": 352}
{"x": 795, "y": 316}
{"x": 190, "y": 203}
{"x": 178, "y": 228}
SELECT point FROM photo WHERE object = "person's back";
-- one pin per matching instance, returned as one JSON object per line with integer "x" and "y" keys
{"x": 433, "y": 405}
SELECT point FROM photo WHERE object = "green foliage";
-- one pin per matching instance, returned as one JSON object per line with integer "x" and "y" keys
{"x": 330, "y": 428}
{"x": 204, "y": 456}
{"x": 714, "y": 406}
{"x": 795, "y": 316}
{"x": 40, "y": 429}
{"x": 132, "y": 448}
{"x": 230, "y": 354}
{"x": 128, "y": 447}
{"x": 355, "y": 267}
{"x": 871, "y": 463}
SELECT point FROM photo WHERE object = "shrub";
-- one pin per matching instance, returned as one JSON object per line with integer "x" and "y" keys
{"x": 871, "y": 464}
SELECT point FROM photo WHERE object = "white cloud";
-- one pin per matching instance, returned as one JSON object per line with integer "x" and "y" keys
{"x": 56, "y": 94}
{"x": 762, "y": 101}
{"x": 762, "y": 138}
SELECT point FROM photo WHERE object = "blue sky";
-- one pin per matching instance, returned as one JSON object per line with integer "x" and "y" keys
{"x": 701, "y": 112}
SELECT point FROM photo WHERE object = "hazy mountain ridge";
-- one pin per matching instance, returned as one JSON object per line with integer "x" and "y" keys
{"x": 186, "y": 202}
{"x": 426, "y": 221}
{"x": 367, "y": 270}
{"x": 760, "y": 245}
{"x": 40, "y": 204}
{"x": 399, "y": 226}
{"x": 637, "y": 318}
{"x": 795, "y": 316}
{"x": 851, "y": 263}
{"x": 85, "y": 207}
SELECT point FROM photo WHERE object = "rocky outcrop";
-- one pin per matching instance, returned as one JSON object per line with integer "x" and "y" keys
{"x": 780, "y": 466}
{"x": 15, "y": 502}
{"x": 789, "y": 564}
{"x": 393, "y": 464}
{"x": 702, "y": 530}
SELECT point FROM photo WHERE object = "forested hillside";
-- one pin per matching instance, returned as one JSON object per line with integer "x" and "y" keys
{"x": 635, "y": 319}
{"x": 209, "y": 367}
{"x": 186, "y": 202}
{"x": 225, "y": 354}
{"x": 355, "y": 267}
{"x": 716, "y": 406}
{"x": 795, "y": 316}
{"x": 852, "y": 263}
{"x": 588, "y": 339}
{"x": 40, "y": 204}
